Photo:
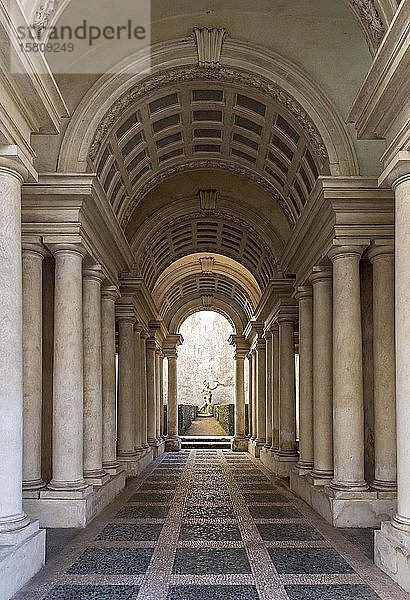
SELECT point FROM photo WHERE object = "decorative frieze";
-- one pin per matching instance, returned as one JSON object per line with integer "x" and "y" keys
{"x": 43, "y": 16}
{"x": 370, "y": 19}
{"x": 209, "y": 44}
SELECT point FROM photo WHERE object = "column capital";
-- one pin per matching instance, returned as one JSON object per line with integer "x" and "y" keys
{"x": 125, "y": 313}
{"x": 397, "y": 171}
{"x": 376, "y": 252}
{"x": 302, "y": 292}
{"x": 144, "y": 335}
{"x": 14, "y": 163}
{"x": 110, "y": 292}
{"x": 33, "y": 245}
{"x": 93, "y": 273}
{"x": 152, "y": 344}
{"x": 72, "y": 244}
{"x": 170, "y": 344}
{"x": 321, "y": 273}
{"x": 338, "y": 252}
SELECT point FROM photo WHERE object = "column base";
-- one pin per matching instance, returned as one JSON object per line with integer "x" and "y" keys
{"x": 239, "y": 444}
{"x": 22, "y": 559}
{"x": 113, "y": 468}
{"x": 173, "y": 444}
{"x": 135, "y": 465}
{"x": 392, "y": 553}
{"x": 342, "y": 508}
{"x": 99, "y": 478}
{"x": 65, "y": 508}
{"x": 255, "y": 446}
{"x": 279, "y": 464}
{"x": 157, "y": 447}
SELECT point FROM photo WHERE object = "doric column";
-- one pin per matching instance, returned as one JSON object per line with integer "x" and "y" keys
{"x": 260, "y": 392}
{"x": 159, "y": 395}
{"x": 287, "y": 399}
{"x": 144, "y": 427}
{"x": 269, "y": 390}
{"x": 254, "y": 395}
{"x": 382, "y": 259}
{"x": 93, "y": 471}
{"x": 240, "y": 441}
{"x": 322, "y": 283}
{"x": 250, "y": 392}
{"x": 68, "y": 384}
{"x": 151, "y": 393}
{"x": 401, "y": 188}
{"x": 161, "y": 392}
{"x": 33, "y": 254}
{"x": 275, "y": 389}
{"x": 304, "y": 296}
{"x": 12, "y": 516}
{"x": 348, "y": 410}
{"x": 173, "y": 441}
{"x": 109, "y": 410}
{"x": 138, "y": 389}
{"x": 126, "y": 383}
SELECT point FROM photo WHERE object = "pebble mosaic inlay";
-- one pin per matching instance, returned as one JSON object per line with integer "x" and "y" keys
{"x": 210, "y": 525}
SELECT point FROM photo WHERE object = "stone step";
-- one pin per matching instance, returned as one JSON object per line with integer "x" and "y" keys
{"x": 206, "y": 441}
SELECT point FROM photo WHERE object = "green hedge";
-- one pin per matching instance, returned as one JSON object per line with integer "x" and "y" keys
{"x": 224, "y": 413}
{"x": 186, "y": 414}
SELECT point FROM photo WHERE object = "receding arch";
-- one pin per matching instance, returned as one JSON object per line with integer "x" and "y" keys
{"x": 189, "y": 306}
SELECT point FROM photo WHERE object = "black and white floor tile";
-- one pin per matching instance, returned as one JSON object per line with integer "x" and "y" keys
{"x": 210, "y": 525}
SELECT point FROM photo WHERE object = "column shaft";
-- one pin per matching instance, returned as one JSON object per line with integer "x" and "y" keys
{"x": 92, "y": 375}
{"x": 109, "y": 409}
{"x": 287, "y": 424}
{"x": 11, "y": 365}
{"x": 126, "y": 382}
{"x": 275, "y": 390}
{"x": 261, "y": 392}
{"x": 348, "y": 410}
{"x": 269, "y": 389}
{"x": 68, "y": 385}
{"x": 32, "y": 366}
{"x": 144, "y": 428}
{"x": 323, "y": 372}
{"x": 250, "y": 392}
{"x": 151, "y": 393}
{"x": 254, "y": 395}
{"x": 137, "y": 389}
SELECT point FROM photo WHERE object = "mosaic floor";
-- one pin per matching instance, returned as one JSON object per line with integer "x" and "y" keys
{"x": 209, "y": 525}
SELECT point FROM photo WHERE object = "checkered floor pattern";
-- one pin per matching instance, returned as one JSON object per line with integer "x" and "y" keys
{"x": 209, "y": 525}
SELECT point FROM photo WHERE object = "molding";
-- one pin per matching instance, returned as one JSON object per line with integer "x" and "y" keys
{"x": 193, "y": 303}
{"x": 44, "y": 16}
{"x": 209, "y": 46}
{"x": 370, "y": 20}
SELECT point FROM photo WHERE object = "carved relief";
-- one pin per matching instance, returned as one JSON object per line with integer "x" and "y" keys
{"x": 43, "y": 16}
{"x": 370, "y": 19}
{"x": 207, "y": 300}
{"x": 223, "y": 75}
{"x": 207, "y": 199}
{"x": 209, "y": 46}
{"x": 207, "y": 265}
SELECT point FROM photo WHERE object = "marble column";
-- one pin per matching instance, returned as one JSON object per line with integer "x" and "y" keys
{"x": 151, "y": 393}
{"x": 12, "y": 516}
{"x": 126, "y": 383}
{"x": 250, "y": 392}
{"x": 33, "y": 254}
{"x": 158, "y": 395}
{"x": 93, "y": 471}
{"x": 287, "y": 393}
{"x": 401, "y": 188}
{"x": 254, "y": 395}
{"x": 260, "y": 392}
{"x": 144, "y": 427}
{"x": 240, "y": 441}
{"x": 269, "y": 390}
{"x": 322, "y": 283}
{"x": 109, "y": 409}
{"x": 68, "y": 384}
{"x": 275, "y": 390}
{"x": 138, "y": 389}
{"x": 173, "y": 441}
{"x": 348, "y": 410}
{"x": 304, "y": 297}
{"x": 382, "y": 259}
{"x": 161, "y": 392}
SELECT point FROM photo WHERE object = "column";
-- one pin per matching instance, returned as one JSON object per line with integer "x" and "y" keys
{"x": 159, "y": 395}
{"x": 126, "y": 382}
{"x": 33, "y": 254}
{"x": 68, "y": 384}
{"x": 240, "y": 441}
{"x": 173, "y": 441}
{"x": 382, "y": 259}
{"x": 322, "y": 283}
{"x": 138, "y": 389}
{"x": 401, "y": 188}
{"x": 254, "y": 395}
{"x": 348, "y": 411}
{"x": 12, "y": 516}
{"x": 151, "y": 393}
{"x": 250, "y": 392}
{"x": 275, "y": 390}
{"x": 93, "y": 471}
{"x": 144, "y": 431}
{"x": 304, "y": 297}
{"x": 287, "y": 395}
{"x": 269, "y": 390}
{"x": 109, "y": 409}
{"x": 261, "y": 392}
{"x": 161, "y": 392}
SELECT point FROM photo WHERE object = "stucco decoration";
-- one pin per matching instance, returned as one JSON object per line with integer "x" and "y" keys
{"x": 225, "y": 75}
{"x": 43, "y": 17}
{"x": 207, "y": 199}
{"x": 370, "y": 19}
{"x": 209, "y": 46}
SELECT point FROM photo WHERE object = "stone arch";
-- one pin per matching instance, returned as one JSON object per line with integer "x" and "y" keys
{"x": 227, "y": 309}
